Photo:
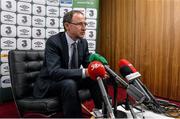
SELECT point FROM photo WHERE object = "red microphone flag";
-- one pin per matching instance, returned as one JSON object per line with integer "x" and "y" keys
{"x": 96, "y": 69}
{"x": 124, "y": 62}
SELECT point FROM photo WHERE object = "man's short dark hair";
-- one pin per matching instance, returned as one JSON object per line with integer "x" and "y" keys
{"x": 68, "y": 16}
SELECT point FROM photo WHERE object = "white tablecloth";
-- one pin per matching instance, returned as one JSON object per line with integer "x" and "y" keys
{"x": 147, "y": 114}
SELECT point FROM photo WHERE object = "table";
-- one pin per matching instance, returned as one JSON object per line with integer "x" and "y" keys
{"x": 146, "y": 114}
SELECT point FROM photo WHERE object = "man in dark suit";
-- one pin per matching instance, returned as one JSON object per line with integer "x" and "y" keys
{"x": 59, "y": 75}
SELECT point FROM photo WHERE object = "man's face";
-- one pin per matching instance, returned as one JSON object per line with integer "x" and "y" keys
{"x": 76, "y": 29}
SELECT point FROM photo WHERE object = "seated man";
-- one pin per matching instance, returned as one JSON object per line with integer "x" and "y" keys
{"x": 61, "y": 75}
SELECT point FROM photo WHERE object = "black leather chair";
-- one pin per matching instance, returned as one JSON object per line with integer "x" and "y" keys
{"x": 24, "y": 67}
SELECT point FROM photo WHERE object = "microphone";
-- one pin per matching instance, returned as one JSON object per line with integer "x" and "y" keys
{"x": 133, "y": 78}
{"x": 96, "y": 69}
{"x": 124, "y": 62}
{"x": 97, "y": 57}
{"x": 128, "y": 71}
{"x": 131, "y": 90}
{"x": 97, "y": 72}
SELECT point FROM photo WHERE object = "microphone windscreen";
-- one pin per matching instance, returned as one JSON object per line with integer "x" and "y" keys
{"x": 124, "y": 62}
{"x": 96, "y": 69}
{"x": 124, "y": 71}
{"x": 97, "y": 57}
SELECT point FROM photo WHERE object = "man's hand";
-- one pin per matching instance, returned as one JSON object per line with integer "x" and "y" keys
{"x": 106, "y": 76}
{"x": 86, "y": 73}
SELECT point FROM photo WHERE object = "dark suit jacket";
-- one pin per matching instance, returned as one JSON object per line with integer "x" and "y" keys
{"x": 55, "y": 65}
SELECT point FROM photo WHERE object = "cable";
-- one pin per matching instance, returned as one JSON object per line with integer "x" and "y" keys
{"x": 172, "y": 110}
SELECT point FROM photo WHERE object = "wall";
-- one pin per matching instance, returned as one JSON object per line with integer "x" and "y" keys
{"x": 147, "y": 33}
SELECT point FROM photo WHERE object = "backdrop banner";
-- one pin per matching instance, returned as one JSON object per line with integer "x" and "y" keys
{"x": 27, "y": 24}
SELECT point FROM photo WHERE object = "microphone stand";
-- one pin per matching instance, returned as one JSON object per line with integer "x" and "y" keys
{"x": 105, "y": 98}
{"x": 131, "y": 90}
{"x": 117, "y": 113}
{"x": 129, "y": 107}
{"x": 115, "y": 98}
{"x": 104, "y": 108}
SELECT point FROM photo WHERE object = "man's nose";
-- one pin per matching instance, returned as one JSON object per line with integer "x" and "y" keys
{"x": 83, "y": 27}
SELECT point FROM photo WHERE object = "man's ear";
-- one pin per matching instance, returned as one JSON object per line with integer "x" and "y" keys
{"x": 66, "y": 25}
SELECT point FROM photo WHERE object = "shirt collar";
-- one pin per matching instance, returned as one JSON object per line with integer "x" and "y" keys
{"x": 70, "y": 40}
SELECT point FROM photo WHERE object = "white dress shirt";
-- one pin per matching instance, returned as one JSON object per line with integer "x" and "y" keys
{"x": 70, "y": 41}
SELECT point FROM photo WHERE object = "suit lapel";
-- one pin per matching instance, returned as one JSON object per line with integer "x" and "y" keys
{"x": 65, "y": 51}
